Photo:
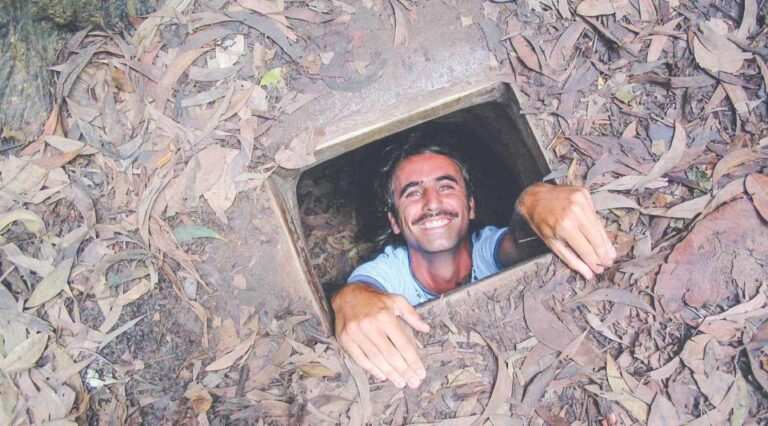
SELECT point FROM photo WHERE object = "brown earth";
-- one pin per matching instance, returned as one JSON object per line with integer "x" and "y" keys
{"x": 149, "y": 274}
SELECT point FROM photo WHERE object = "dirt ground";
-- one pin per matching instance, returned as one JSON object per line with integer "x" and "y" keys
{"x": 150, "y": 276}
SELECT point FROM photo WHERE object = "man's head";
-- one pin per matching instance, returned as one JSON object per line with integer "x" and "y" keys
{"x": 428, "y": 194}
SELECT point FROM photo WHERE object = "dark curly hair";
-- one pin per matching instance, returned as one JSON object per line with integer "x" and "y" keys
{"x": 394, "y": 156}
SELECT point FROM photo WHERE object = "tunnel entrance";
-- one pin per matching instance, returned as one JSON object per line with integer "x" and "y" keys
{"x": 341, "y": 213}
{"x": 330, "y": 212}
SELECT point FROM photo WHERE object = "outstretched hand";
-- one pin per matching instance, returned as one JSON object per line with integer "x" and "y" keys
{"x": 565, "y": 219}
{"x": 368, "y": 329}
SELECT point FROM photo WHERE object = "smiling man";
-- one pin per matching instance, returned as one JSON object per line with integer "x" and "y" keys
{"x": 430, "y": 205}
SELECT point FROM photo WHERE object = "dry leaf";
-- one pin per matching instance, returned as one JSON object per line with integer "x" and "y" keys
{"x": 733, "y": 160}
{"x": 666, "y": 370}
{"x": 550, "y": 331}
{"x": 626, "y": 398}
{"x": 363, "y": 388}
{"x": 597, "y": 7}
{"x": 232, "y": 356}
{"x": 25, "y": 355}
{"x": 738, "y": 98}
{"x": 51, "y": 285}
{"x": 615, "y": 295}
{"x": 199, "y": 397}
{"x": 605, "y": 200}
{"x": 401, "y": 31}
{"x": 31, "y": 220}
{"x": 316, "y": 369}
{"x": 122, "y": 329}
{"x": 714, "y": 51}
{"x": 174, "y": 71}
{"x": 299, "y": 154}
{"x": 662, "y": 413}
{"x": 669, "y": 160}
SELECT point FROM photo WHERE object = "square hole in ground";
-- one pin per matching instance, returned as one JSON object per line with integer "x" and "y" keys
{"x": 341, "y": 213}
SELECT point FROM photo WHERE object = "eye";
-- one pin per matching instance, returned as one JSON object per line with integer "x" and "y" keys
{"x": 446, "y": 187}
{"x": 412, "y": 194}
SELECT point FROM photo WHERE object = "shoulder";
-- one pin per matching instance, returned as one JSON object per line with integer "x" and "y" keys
{"x": 488, "y": 234}
{"x": 389, "y": 264}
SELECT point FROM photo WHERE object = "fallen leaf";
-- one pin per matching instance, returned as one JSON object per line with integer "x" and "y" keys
{"x": 597, "y": 7}
{"x": 232, "y": 356}
{"x": 199, "y": 397}
{"x": 733, "y": 160}
{"x": 669, "y": 160}
{"x": 401, "y": 31}
{"x": 138, "y": 290}
{"x": 316, "y": 369}
{"x": 605, "y": 200}
{"x": 666, "y": 370}
{"x": 25, "y": 355}
{"x": 172, "y": 73}
{"x": 687, "y": 209}
{"x": 739, "y": 99}
{"x": 714, "y": 51}
{"x": 363, "y": 389}
{"x": 18, "y": 258}
{"x": 550, "y": 331}
{"x": 615, "y": 295}
{"x": 662, "y": 413}
{"x": 31, "y": 221}
{"x": 626, "y": 398}
{"x": 51, "y": 285}
{"x": 120, "y": 330}
{"x": 187, "y": 233}
{"x": 755, "y": 350}
{"x": 299, "y": 154}
{"x": 272, "y": 77}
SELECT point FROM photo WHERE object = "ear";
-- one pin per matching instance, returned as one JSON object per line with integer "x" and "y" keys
{"x": 471, "y": 208}
{"x": 393, "y": 223}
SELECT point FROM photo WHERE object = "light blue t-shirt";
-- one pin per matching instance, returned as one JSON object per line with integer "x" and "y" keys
{"x": 391, "y": 270}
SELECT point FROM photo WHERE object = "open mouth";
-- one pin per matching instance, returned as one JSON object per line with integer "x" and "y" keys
{"x": 435, "y": 222}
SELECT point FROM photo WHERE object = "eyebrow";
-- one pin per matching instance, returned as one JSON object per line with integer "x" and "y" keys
{"x": 410, "y": 185}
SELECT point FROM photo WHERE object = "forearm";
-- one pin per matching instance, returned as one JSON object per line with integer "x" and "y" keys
{"x": 519, "y": 244}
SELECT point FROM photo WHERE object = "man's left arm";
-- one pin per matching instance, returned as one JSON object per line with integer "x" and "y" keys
{"x": 565, "y": 219}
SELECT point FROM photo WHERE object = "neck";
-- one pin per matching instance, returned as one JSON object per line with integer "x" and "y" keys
{"x": 444, "y": 271}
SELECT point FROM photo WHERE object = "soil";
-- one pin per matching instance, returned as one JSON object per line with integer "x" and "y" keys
{"x": 156, "y": 268}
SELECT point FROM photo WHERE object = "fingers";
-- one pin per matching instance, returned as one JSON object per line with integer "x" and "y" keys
{"x": 598, "y": 225}
{"x": 382, "y": 348}
{"x": 407, "y": 350}
{"x": 362, "y": 360}
{"x": 571, "y": 258}
{"x": 578, "y": 242}
{"x": 400, "y": 354}
{"x": 598, "y": 240}
{"x": 383, "y": 356}
{"x": 404, "y": 310}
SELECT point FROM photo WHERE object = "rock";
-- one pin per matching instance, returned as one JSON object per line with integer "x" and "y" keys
{"x": 700, "y": 269}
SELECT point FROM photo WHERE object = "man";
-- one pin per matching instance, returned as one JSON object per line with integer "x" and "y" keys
{"x": 430, "y": 205}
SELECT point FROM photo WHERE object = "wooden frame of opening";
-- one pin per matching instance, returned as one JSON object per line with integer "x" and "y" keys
{"x": 282, "y": 183}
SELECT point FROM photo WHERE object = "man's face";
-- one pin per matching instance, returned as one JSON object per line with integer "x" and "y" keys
{"x": 432, "y": 203}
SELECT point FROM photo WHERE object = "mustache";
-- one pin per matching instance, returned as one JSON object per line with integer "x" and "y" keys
{"x": 430, "y": 215}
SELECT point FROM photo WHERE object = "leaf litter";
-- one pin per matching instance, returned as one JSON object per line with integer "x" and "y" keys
{"x": 148, "y": 145}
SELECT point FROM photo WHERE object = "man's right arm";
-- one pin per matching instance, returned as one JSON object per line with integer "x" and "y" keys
{"x": 368, "y": 329}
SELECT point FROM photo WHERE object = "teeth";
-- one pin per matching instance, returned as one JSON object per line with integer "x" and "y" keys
{"x": 434, "y": 223}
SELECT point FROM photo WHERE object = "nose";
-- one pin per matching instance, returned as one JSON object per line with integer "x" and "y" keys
{"x": 432, "y": 200}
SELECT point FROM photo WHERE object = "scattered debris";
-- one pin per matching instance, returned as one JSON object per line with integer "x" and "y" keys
{"x": 658, "y": 107}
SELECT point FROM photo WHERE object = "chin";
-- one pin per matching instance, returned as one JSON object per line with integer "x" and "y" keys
{"x": 440, "y": 246}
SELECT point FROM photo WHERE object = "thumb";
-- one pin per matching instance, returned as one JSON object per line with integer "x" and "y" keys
{"x": 404, "y": 310}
